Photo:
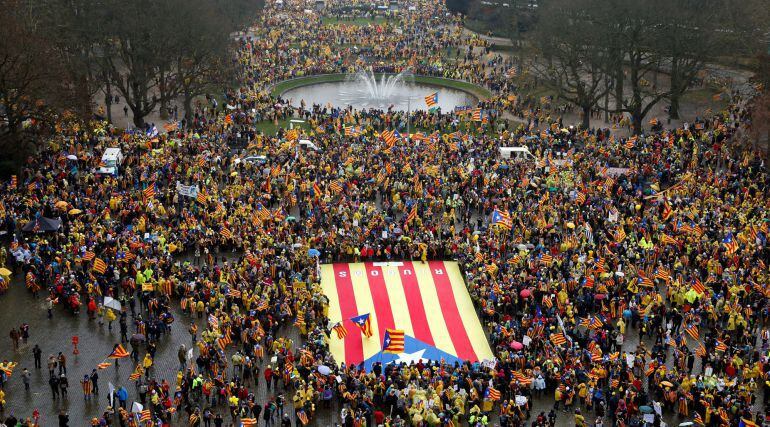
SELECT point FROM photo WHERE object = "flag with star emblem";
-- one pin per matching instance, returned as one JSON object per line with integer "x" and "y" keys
{"x": 492, "y": 394}
{"x": 502, "y": 219}
{"x": 364, "y": 322}
{"x": 394, "y": 341}
{"x": 428, "y": 302}
{"x": 431, "y": 100}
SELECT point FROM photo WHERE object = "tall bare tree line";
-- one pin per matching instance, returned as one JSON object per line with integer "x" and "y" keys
{"x": 589, "y": 49}
{"x": 61, "y": 54}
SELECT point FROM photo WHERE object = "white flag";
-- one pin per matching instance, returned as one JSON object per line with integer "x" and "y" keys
{"x": 111, "y": 396}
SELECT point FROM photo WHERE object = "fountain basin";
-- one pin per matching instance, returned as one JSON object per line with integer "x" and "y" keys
{"x": 340, "y": 90}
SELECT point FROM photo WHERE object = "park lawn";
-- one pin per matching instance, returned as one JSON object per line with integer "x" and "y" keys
{"x": 499, "y": 48}
{"x": 539, "y": 92}
{"x": 285, "y": 85}
{"x": 484, "y": 28}
{"x": 478, "y": 91}
{"x": 269, "y": 128}
{"x": 330, "y": 20}
{"x": 703, "y": 95}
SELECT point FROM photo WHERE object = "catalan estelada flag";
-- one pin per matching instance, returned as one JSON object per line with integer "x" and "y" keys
{"x": 502, "y": 219}
{"x": 394, "y": 341}
{"x": 492, "y": 394}
{"x": 365, "y": 323}
{"x": 431, "y": 100}
{"x": 429, "y": 302}
{"x": 745, "y": 422}
{"x": 118, "y": 352}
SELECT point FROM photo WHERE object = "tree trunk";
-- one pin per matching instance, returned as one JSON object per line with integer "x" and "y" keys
{"x": 164, "y": 114}
{"x": 108, "y": 101}
{"x": 606, "y": 100}
{"x": 138, "y": 119}
{"x": 619, "y": 88}
{"x": 586, "y": 117}
{"x": 673, "y": 109}
{"x": 637, "y": 120}
{"x": 188, "y": 109}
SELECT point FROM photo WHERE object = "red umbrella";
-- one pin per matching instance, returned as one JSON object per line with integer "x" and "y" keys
{"x": 600, "y": 296}
{"x": 525, "y": 293}
{"x": 516, "y": 345}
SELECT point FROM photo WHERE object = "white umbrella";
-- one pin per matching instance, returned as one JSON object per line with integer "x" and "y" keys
{"x": 72, "y": 157}
{"x": 112, "y": 303}
{"x": 324, "y": 370}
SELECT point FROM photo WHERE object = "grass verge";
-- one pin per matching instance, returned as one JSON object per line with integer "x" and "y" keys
{"x": 269, "y": 128}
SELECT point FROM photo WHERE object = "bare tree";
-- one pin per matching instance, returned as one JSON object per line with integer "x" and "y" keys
{"x": 32, "y": 83}
{"x": 760, "y": 120}
{"x": 575, "y": 59}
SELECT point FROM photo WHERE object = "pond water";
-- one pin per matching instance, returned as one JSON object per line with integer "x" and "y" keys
{"x": 362, "y": 95}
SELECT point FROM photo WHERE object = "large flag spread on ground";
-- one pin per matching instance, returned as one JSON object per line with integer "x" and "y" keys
{"x": 502, "y": 219}
{"x": 432, "y": 100}
{"x": 394, "y": 341}
{"x": 364, "y": 322}
{"x": 428, "y": 301}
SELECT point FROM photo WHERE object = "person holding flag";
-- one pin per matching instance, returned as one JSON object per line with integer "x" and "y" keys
{"x": 432, "y": 100}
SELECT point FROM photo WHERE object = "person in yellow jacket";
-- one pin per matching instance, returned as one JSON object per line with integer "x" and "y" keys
{"x": 580, "y": 420}
{"x": 147, "y": 364}
{"x": 109, "y": 315}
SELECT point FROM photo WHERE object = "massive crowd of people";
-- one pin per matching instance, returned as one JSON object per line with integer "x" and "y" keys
{"x": 658, "y": 239}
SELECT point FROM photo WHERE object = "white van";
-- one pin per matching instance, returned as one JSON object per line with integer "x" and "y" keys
{"x": 520, "y": 154}
{"x": 111, "y": 161}
{"x": 308, "y": 145}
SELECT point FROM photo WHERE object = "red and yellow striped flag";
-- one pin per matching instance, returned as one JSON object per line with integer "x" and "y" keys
{"x": 99, "y": 266}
